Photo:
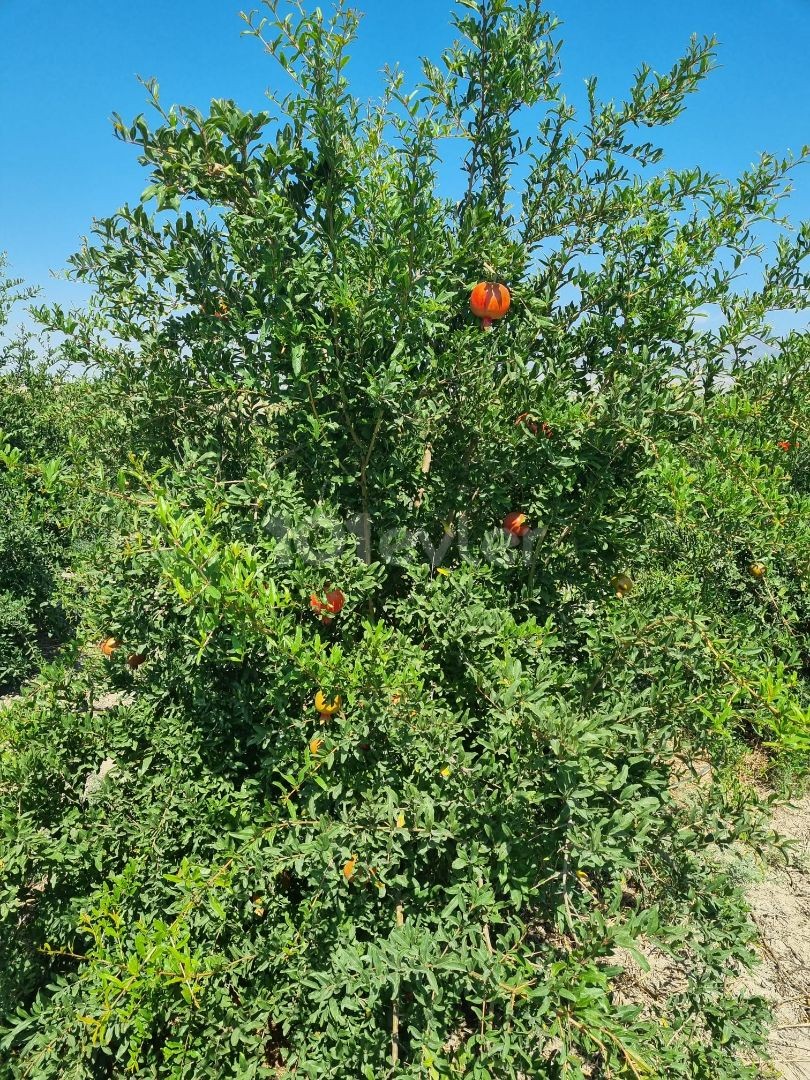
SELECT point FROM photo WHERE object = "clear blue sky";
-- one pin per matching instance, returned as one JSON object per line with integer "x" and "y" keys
{"x": 66, "y": 66}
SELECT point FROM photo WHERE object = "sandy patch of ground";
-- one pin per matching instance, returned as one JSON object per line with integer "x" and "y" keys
{"x": 111, "y": 701}
{"x": 779, "y": 899}
{"x": 780, "y": 906}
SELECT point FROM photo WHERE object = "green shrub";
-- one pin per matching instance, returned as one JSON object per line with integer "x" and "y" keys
{"x": 45, "y": 500}
{"x": 734, "y": 497}
{"x": 440, "y": 877}
{"x": 18, "y": 648}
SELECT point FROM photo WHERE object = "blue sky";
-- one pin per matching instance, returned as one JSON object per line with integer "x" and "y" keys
{"x": 66, "y": 67}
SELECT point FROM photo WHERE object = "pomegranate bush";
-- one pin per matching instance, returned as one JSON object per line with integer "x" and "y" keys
{"x": 41, "y": 520}
{"x": 419, "y": 837}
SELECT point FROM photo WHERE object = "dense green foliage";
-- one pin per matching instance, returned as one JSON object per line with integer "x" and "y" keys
{"x": 205, "y": 875}
{"x": 42, "y": 514}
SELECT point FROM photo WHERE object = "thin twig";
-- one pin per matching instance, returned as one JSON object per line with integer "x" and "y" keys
{"x": 395, "y": 1003}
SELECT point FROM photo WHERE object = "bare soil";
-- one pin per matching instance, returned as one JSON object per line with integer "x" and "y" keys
{"x": 779, "y": 899}
{"x": 780, "y": 906}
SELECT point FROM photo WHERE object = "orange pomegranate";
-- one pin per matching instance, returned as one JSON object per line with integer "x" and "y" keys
{"x": 516, "y": 524}
{"x": 328, "y": 608}
{"x": 326, "y": 708}
{"x": 489, "y": 301}
{"x": 109, "y": 645}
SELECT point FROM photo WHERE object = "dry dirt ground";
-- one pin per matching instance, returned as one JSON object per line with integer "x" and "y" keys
{"x": 779, "y": 898}
{"x": 780, "y": 905}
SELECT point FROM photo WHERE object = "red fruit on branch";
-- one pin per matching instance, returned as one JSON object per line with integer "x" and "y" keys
{"x": 516, "y": 524}
{"x": 328, "y": 608}
{"x": 489, "y": 301}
